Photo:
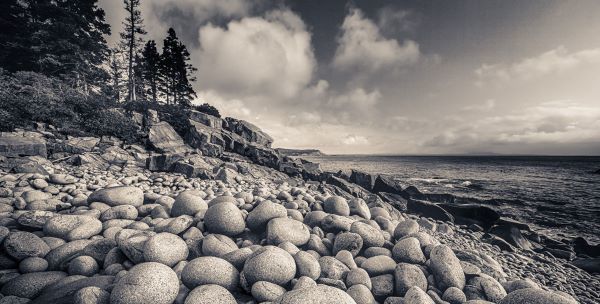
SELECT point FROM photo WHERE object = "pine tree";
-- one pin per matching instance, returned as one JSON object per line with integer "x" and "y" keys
{"x": 115, "y": 68}
{"x": 150, "y": 67}
{"x": 131, "y": 40}
{"x": 55, "y": 38}
{"x": 176, "y": 71}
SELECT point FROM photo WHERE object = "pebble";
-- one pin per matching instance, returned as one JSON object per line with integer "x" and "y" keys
{"x": 83, "y": 265}
{"x": 21, "y": 245}
{"x": 320, "y": 294}
{"x": 405, "y": 228}
{"x": 210, "y": 294}
{"x": 379, "y": 265}
{"x": 407, "y": 276}
{"x": 188, "y": 203}
{"x": 165, "y": 248}
{"x": 263, "y": 291}
{"x": 33, "y": 264}
{"x": 91, "y": 295}
{"x": 263, "y": 213}
{"x": 72, "y": 227}
{"x": 115, "y": 196}
{"x": 271, "y": 264}
{"x": 307, "y": 265}
{"x": 336, "y": 205}
{"x": 210, "y": 270}
{"x": 408, "y": 250}
{"x": 281, "y": 230}
{"x": 146, "y": 283}
{"x": 349, "y": 241}
{"x": 371, "y": 236}
{"x": 30, "y": 285}
{"x": 446, "y": 268}
{"x": 224, "y": 218}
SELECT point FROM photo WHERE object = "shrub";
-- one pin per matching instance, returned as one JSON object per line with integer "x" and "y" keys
{"x": 26, "y": 97}
{"x": 208, "y": 109}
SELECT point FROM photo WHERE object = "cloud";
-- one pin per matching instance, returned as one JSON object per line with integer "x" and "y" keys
{"x": 551, "y": 62}
{"x": 391, "y": 20}
{"x": 560, "y": 122}
{"x": 269, "y": 55}
{"x": 355, "y": 140}
{"x": 486, "y": 106}
{"x": 361, "y": 46}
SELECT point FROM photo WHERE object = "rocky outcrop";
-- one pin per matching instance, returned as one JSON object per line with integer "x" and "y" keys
{"x": 299, "y": 152}
{"x": 248, "y": 132}
{"x": 206, "y": 119}
{"x": 363, "y": 179}
{"x": 15, "y": 145}
{"x": 163, "y": 138}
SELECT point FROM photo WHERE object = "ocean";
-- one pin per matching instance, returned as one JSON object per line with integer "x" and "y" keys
{"x": 556, "y": 195}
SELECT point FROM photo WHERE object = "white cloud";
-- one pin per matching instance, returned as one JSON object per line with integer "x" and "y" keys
{"x": 560, "y": 122}
{"x": 361, "y": 46}
{"x": 271, "y": 55}
{"x": 356, "y": 98}
{"x": 355, "y": 140}
{"x": 486, "y": 106}
{"x": 550, "y": 62}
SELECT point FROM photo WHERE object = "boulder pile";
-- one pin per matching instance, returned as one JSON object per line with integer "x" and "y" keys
{"x": 84, "y": 235}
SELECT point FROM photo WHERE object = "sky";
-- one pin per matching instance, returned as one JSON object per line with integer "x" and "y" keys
{"x": 395, "y": 77}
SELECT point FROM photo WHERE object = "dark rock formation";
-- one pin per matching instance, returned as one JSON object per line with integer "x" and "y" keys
{"x": 248, "y": 131}
{"x": 163, "y": 138}
{"x": 299, "y": 152}
{"x": 363, "y": 179}
{"x": 481, "y": 215}
{"x": 590, "y": 265}
{"x": 387, "y": 184}
{"x": 13, "y": 145}
{"x": 512, "y": 235}
{"x": 428, "y": 209}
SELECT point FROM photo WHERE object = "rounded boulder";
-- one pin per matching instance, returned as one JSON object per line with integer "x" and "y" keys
{"x": 224, "y": 218}
{"x": 210, "y": 270}
{"x": 165, "y": 248}
{"x": 115, "y": 196}
{"x": 146, "y": 283}
{"x": 271, "y": 264}
{"x": 284, "y": 229}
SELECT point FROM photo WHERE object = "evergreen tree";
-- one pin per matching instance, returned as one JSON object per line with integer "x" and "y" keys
{"x": 150, "y": 67}
{"x": 115, "y": 69}
{"x": 131, "y": 39}
{"x": 176, "y": 71}
{"x": 55, "y": 38}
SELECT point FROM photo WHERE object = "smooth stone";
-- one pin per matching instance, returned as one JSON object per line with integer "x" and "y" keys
{"x": 263, "y": 291}
{"x": 210, "y": 294}
{"x": 175, "y": 225}
{"x": 271, "y": 264}
{"x": 165, "y": 248}
{"x": 304, "y": 282}
{"x": 98, "y": 249}
{"x": 83, "y": 265}
{"x": 407, "y": 276}
{"x": 535, "y": 296}
{"x": 333, "y": 268}
{"x": 146, "y": 283}
{"x": 132, "y": 245}
{"x": 33, "y": 264}
{"x": 405, "y": 228}
{"x": 416, "y": 295}
{"x": 238, "y": 257}
{"x": 349, "y": 241}
{"x": 210, "y": 270}
{"x": 224, "y": 218}
{"x": 487, "y": 286}
{"x": 263, "y": 213}
{"x": 336, "y": 205}
{"x": 321, "y": 294}
{"x": 281, "y": 230}
{"x": 21, "y": 245}
{"x": 59, "y": 257}
{"x": 126, "y": 212}
{"x": 62, "y": 179}
{"x": 359, "y": 207}
{"x": 361, "y": 294}
{"x": 454, "y": 295}
{"x": 188, "y": 203}
{"x": 408, "y": 250}
{"x": 446, "y": 268}
{"x": 358, "y": 276}
{"x": 371, "y": 236}
{"x": 383, "y": 286}
{"x": 307, "y": 265}
{"x": 115, "y": 196}
{"x": 30, "y": 285}
{"x": 91, "y": 295}
{"x": 72, "y": 227}
{"x": 379, "y": 265}
{"x": 218, "y": 245}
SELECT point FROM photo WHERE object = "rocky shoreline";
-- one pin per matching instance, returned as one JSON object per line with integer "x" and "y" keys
{"x": 217, "y": 216}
